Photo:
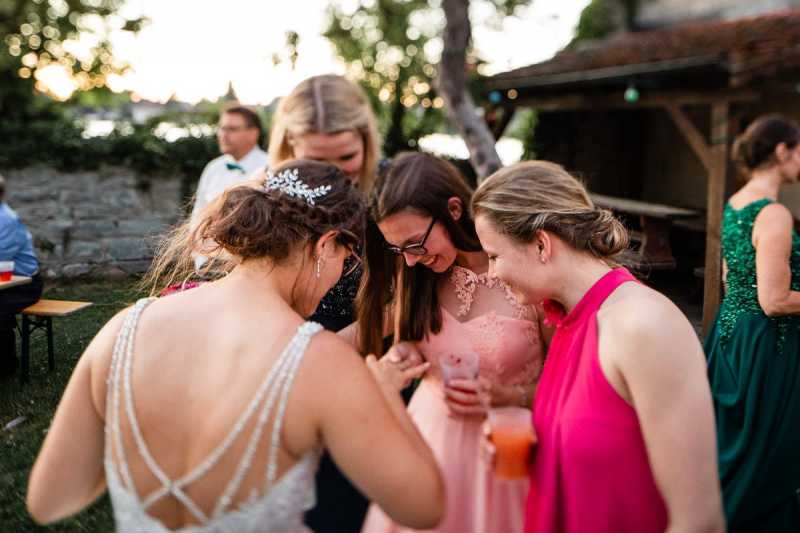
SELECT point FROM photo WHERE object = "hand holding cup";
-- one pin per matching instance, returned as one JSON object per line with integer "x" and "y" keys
{"x": 509, "y": 441}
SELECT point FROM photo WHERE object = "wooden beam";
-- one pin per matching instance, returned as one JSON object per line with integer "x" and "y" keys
{"x": 714, "y": 202}
{"x": 499, "y": 126}
{"x": 692, "y": 135}
{"x": 615, "y": 100}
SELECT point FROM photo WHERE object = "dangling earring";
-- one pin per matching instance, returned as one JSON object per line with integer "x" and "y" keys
{"x": 319, "y": 266}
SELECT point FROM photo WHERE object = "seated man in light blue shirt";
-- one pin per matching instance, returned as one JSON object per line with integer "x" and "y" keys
{"x": 16, "y": 244}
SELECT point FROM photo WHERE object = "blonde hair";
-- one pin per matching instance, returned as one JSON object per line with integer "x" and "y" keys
{"x": 530, "y": 196}
{"x": 326, "y": 104}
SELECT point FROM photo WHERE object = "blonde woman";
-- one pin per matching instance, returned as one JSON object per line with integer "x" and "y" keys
{"x": 623, "y": 409}
{"x": 329, "y": 118}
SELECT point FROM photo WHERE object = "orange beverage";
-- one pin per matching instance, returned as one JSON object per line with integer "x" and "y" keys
{"x": 512, "y": 436}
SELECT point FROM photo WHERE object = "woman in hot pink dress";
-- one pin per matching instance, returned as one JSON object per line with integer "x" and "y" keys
{"x": 623, "y": 409}
{"x": 424, "y": 259}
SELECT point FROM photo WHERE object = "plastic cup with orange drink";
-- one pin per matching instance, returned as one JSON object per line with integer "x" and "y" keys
{"x": 512, "y": 436}
{"x": 6, "y": 270}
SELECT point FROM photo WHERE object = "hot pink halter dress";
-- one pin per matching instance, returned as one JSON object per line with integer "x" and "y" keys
{"x": 590, "y": 471}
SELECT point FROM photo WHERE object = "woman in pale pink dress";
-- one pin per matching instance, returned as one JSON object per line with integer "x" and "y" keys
{"x": 425, "y": 261}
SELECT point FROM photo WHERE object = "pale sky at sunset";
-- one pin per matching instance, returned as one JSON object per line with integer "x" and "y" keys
{"x": 194, "y": 47}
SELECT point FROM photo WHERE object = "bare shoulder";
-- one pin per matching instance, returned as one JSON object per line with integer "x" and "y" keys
{"x": 97, "y": 357}
{"x": 639, "y": 320}
{"x": 330, "y": 354}
{"x": 774, "y": 215}
{"x": 330, "y": 377}
{"x": 100, "y": 349}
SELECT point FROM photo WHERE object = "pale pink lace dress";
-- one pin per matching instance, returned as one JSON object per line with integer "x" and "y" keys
{"x": 478, "y": 314}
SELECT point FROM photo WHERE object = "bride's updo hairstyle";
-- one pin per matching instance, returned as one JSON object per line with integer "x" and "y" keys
{"x": 521, "y": 199}
{"x": 255, "y": 222}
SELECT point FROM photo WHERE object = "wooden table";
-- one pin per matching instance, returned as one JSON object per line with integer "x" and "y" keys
{"x": 655, "y": 221}
{"x": 15, "y": 280}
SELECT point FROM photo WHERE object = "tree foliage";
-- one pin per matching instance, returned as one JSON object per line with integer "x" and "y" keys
{"x": 602, "y": 18}
{"x": 48, "y": 34}
{"x": 392, "y": 47}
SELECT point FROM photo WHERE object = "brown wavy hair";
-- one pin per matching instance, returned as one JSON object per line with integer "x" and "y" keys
{"x": 423, "y": 184}
{"x": 248, "y": 222}
{"x": 524, "y": 198}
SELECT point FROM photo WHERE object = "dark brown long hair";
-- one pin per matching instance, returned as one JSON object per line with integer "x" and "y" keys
{"x": 423, "y": 184}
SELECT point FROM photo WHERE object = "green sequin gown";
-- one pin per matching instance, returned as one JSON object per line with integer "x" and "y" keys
{"x": 754, "y": 371}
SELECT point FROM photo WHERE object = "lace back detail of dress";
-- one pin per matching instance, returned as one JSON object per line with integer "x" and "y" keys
{"x": 270, "y": 399}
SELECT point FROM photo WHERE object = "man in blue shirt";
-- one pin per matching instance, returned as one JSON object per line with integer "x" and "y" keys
{"x": 16, "y": 244}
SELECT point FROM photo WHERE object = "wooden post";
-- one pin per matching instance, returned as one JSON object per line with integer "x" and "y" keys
{"x": 714, "y": 203}
{"x": 692, "y": 135}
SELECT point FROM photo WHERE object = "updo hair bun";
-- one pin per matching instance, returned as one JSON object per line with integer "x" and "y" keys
{"x": 755, "y": 147}
{"x": 531, "y": 196}
{"x": 609, "y": 237}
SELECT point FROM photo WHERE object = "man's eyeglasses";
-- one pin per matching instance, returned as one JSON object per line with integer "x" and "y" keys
{"x": 413, "y": 249}
{"x": 232, "y": 129}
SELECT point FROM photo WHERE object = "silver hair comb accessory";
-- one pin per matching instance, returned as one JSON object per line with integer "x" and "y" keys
{"x": 288, "y": 182}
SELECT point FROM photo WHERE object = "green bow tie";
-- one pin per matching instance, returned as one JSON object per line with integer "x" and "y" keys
{"x": 234, "y": 166}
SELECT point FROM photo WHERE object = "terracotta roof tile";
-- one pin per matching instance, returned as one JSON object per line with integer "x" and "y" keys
{"x": 761, "y": 45}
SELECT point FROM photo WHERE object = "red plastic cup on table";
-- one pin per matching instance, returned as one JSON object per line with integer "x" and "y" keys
{"x": 512, "y": 436}
{"x": 6, "y": 270}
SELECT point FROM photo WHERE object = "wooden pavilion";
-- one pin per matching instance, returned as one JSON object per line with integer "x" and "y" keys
{"x": 707, "y": 79}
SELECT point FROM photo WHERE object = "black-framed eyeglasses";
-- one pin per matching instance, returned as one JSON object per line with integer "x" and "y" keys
{"x": 413, "y": 249}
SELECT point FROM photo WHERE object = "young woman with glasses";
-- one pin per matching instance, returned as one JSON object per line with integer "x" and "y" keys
{"x": 425, "y": 279}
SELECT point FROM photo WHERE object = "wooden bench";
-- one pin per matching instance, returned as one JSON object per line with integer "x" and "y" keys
{"x": 655, "y": 221}
{"x": 40, "y": 316}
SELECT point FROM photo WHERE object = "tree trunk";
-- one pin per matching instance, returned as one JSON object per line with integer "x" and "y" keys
{"x": 452, "y": 85}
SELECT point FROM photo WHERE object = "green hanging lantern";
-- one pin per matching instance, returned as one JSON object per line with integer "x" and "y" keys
{"x": 631, "y": 94}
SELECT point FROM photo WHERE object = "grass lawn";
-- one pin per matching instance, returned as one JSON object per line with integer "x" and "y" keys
{"x": 37, "y": 401}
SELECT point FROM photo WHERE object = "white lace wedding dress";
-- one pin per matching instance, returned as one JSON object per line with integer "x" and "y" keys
{"x": 279, "y": 507}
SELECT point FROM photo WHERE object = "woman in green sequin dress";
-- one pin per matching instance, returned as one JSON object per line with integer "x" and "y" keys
{"x": 753, "y": 349}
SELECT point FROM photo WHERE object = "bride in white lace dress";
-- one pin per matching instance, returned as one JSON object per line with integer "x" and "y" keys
{"x": 207, "y": 410}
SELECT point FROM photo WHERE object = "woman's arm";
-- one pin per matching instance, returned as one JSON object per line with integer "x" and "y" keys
{"x": 370, "y": 436}
{"x": 651, "y": 355}
{"x": 350, "y": 334}
{"x": 68, "y": 473}
{"x": 772, "y": 238}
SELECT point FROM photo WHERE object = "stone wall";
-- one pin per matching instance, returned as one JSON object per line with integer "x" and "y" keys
{"x": 103, "y": 222}
{"x": 656, "y": 13}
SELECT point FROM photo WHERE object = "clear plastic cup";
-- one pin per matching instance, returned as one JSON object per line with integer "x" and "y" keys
{"x": 512, "y": 436}
{"x": 459, "y": 365}
{"x": 6, "y": 270}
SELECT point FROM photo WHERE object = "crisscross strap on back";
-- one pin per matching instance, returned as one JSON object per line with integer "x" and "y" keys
{"x": 272, "y": 392}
